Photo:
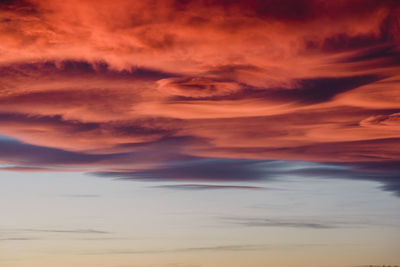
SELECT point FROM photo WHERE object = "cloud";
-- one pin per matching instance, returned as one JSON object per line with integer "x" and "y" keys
{"x": 195, "y": 91}
{"x": 228, "y": 171}
{"x": 75, "y": 231}
{"x": 391, "y": 121}
{"x": 26, "y": 154}
{"x": 198, "y": 170}
{"x": 266, "y": 222}
{"x": 197, "y": 87}
{"x": 190, "y": 249}
{"x": 42, "y": 234}
{"x": 304, "y": 91}
{"x": 55, "y": 131}
{"x": 209, "y": 187}
{"x": 307, "y": 223}
{"x": 81, "y": 196}
{"x": 208, "y": 249}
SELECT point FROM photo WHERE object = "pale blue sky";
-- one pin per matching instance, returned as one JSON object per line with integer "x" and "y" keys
{"x": 75, "y": 218}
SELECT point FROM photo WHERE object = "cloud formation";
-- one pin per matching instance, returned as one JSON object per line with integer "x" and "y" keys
{"x": 288, "y": 223}
{"x": 154, "y": 89}
{"x": 209, "y": 187}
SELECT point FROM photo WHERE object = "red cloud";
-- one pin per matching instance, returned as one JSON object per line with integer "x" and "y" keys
{"x": 294, "y": 80}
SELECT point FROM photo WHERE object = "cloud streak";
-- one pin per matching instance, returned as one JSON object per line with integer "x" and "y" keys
{"x": 290, "y": 223}
{"x": 59, "y": 231}
{"x": 209, "y": 187}
{"x": 222, "y": 248}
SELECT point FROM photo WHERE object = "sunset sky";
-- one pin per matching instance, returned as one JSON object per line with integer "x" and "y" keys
{"x": 186, "y": 133}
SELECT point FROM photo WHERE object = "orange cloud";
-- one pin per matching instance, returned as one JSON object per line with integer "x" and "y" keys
{"x": 290, "y": 80}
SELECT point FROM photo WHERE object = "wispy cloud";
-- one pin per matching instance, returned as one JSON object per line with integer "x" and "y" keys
{"x": 163, "y": 98}
{"x": 222, "y": 248}
{"x": 209, "y": 187}
{"x": 55, "y": 231}
{"x": 227, "y": 171}
{"x": 16, "y": 239}
{"x": 81, "y": 196}
{"x": 293, "y": 222}
{"x": 62, "y": 231}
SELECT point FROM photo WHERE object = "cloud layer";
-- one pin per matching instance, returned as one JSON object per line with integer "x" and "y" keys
{"x": 157, "y": 88}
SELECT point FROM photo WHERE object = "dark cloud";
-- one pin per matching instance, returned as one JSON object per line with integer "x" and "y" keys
{"x": 385, "y": 173}
{"x": 78, "y": 69}
{"x": 197, "y": 87}
{"x": 25, "y": 154}
{"x": 294, "y": 10}
{"x": 323, "y": 89}
{"x": 389, "y": 53}
{"x": 38, "y": 234}
{"x": 228, "y": 170}
{"x": 373, "y": 150}
{"x": 343, "y": 42}
{"x": 33, "y": 169}
{"x": 20, "y": 6}
{"x": 230, "y": 72}
{"x": 199, "y": 170}
{"x": 56, "y": 121}
{"x": 209, "y": 187}
{"x": 122, "y": 127}
{"x": 60, "y": 231}
{"x": 56, "y": 131}
{"x": 305, "y": 91}
{"x": 310, "y": 223}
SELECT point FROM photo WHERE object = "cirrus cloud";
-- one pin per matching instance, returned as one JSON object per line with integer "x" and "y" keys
{"x": 133, "y": 87}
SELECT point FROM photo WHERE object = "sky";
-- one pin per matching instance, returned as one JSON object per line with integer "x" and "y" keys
{"x": 199, "y": 133}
